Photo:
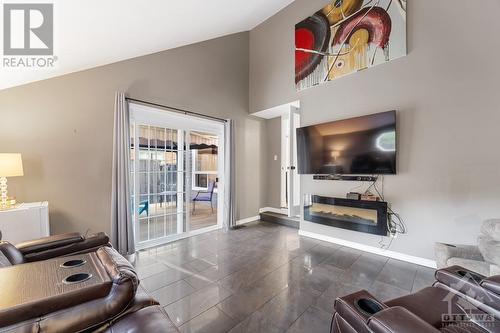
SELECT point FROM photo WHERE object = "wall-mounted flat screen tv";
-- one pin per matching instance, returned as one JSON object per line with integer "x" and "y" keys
{"x": 358, "y": 146}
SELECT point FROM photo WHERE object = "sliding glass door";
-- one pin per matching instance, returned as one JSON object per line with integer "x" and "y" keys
{"x": 176, "y": 175}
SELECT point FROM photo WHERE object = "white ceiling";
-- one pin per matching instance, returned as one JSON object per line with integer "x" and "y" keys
{"x": 90, "y": 33}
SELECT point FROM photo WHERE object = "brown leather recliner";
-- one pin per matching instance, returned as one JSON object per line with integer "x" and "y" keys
{"x": 151, "y": 319}
{"x": 482, "y": 291}
{"x": 116, "y": 303}
{"x": 432, "y": 309}
{"x": 118, "y": 306}
{"x": 50, "y": 247}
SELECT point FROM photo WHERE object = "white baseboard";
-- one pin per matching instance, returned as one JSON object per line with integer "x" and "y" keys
{"x": 248, "y": 220}
{"x": 274, "y": 210}
{"x": 372, "y": 249}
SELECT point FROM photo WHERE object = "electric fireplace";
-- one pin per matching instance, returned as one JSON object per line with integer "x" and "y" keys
{"x": 358, "y": 215}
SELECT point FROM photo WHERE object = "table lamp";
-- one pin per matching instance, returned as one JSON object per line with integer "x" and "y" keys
{"x": 11, "y": 165}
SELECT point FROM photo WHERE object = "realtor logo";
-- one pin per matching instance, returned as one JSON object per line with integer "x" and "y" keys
{"x": 28, "y": 29}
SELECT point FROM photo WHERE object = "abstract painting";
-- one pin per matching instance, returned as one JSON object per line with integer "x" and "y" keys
{"x": 347, "y": 36}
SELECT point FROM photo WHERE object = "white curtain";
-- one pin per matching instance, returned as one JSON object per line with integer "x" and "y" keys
{"x": 230, "y": 192}
{"x": 122, "y": 230}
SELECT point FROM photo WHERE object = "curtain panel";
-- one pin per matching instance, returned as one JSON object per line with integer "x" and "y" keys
{"x": 230, "y": 189}
{"x": 122, "y": 230}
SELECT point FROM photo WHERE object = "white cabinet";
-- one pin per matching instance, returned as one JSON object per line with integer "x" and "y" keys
{"x": 25, "y": 222}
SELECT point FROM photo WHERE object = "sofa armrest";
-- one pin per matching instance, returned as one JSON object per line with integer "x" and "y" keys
{"x": 152, "y": 319}
{"x": 10, "y": 255}
{"x": 50, "y": 242}
{"x": 397, "y": 319}
{"x": 83, "y": 245}
{"x": 458, "y": 276}
{"x": 492, "y": 284}
{"x": 357, "y": 308}
{"x": 444, "y": 252}
{"x": 481, "y": 291}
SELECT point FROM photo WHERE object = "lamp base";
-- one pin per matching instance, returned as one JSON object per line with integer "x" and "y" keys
{"x": 4, "y": 203}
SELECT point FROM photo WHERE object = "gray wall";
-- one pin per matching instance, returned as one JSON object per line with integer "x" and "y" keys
{"x": 446, "y": 92}
{"x": 63, "y": 126}
{"x": 273, "y": 169}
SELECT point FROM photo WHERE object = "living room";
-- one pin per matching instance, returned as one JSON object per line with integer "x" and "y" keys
{"x": 217, "y": 167}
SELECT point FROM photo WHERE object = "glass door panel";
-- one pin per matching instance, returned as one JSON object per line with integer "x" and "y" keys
{"x": 158, "y": 182}
{"x": 204, "y": 153}
{"x": 176, "y": 175}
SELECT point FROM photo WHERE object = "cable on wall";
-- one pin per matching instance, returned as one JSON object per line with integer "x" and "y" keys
{"x": 395, "y": 223}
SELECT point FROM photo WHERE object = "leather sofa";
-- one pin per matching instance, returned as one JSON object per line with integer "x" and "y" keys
{"x": 50, "y": 247}
{"x": 444, "y": 307}
{"x": 152, "y": 319}
{"x": 116, "y": 304}
{"x": 480, "y": 290}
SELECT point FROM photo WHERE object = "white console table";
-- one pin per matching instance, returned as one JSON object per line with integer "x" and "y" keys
{"x": 25, "y": 222}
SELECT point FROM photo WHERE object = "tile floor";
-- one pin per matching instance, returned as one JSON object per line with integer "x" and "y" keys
{"x": 266, "y": 278}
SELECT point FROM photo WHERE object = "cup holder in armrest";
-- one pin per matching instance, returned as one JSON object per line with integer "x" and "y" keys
{"x": 368, "y": 306}
{"x": 73, "y": 263}
{"x": 77, "y": 278}
{"x": 471, "y": 275}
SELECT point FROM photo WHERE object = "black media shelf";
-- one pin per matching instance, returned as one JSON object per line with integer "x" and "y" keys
{"x": 345, "y": 178}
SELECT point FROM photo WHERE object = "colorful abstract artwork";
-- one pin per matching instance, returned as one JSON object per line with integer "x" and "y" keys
{"x": 347, "y": 36}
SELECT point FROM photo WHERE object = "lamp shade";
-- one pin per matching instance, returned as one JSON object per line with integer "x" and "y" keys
{"x": 11, "y": 165}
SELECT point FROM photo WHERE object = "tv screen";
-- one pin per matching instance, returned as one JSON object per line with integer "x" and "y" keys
{"x": 358, "y": 146}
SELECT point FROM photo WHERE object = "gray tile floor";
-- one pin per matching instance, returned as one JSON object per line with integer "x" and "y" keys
{"x": 266, "y": 278}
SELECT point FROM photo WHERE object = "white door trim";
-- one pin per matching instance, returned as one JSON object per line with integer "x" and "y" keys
{"x": 277, "y": 111}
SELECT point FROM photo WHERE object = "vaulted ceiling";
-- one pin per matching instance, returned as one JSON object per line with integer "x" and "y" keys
{"x": 90, "y": 33}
